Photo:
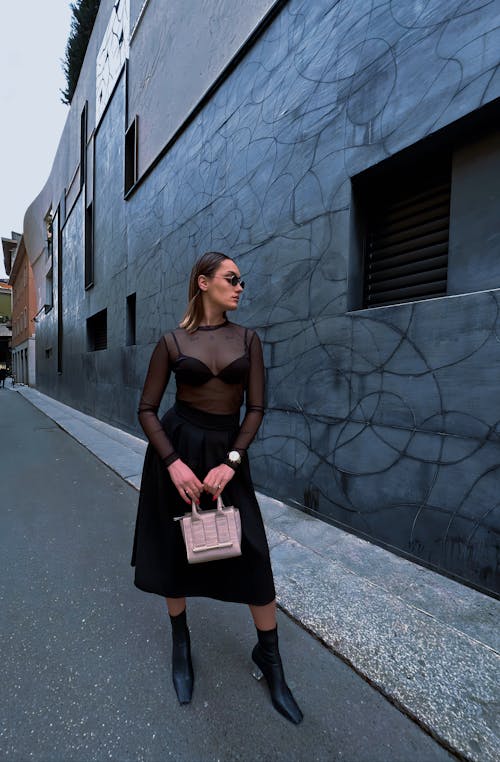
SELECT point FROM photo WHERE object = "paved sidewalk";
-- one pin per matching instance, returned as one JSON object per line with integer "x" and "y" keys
{"x": 431, "y": 645}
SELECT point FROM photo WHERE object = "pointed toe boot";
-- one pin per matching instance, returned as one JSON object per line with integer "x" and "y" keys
{"x": 182, "y": 666}
{"x": 267, "y": 658}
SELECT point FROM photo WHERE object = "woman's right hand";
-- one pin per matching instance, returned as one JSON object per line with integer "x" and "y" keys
{"x": 188, "y": 485}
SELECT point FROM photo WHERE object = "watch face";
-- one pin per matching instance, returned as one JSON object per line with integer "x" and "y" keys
{"x": 234, "y": 456}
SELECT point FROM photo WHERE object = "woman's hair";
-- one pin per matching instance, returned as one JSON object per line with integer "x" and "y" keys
{"x": 207, "y": 265}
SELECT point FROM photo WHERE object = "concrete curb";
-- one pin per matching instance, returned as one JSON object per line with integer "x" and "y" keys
{"x": 431, "y": 645}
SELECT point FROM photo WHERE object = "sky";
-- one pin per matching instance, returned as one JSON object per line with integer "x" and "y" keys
{"x": 32, "y": 116}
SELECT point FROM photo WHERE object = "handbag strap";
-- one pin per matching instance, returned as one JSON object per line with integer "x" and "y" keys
{"x": 196, "y": 513}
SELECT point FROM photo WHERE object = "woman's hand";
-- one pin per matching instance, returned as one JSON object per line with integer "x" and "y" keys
{"x": 217, "y": 478}
{"x": 187, "y": 483}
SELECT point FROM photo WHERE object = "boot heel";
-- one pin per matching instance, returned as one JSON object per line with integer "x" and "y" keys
{"x": 257, "y": 673}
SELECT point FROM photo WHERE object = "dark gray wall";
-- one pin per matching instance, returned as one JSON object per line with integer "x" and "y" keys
{"x": 475, "y": 207}
{"x": 176, "y": 57}
{"x": 386, "y": 420}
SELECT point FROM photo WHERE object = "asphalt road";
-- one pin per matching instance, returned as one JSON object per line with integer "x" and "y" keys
{"x": 85, "y": 656}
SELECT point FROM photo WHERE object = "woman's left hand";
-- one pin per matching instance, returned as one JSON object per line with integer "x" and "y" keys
{"x": 217, "y": 478}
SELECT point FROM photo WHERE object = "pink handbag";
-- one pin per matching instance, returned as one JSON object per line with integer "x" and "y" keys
{"x": 211, "y": 535}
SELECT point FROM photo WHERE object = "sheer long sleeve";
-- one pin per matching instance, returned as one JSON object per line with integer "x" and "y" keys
{"x": 154, "y": 387}
{"x": 255, "y": 391}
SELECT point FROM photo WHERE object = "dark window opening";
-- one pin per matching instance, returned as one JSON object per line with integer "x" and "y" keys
{"x": 406, "y": 239}
{"x": 97, "y": 331}
{"x": 89, "y": 246}
{"x": 59, "y": 264}
{"x": 131, "y": 302}
{"x": 423, "y": 221}
{"x": 131, "y": 155}
{"x": 49, "y": 232}
{"x": 49, "y": 291}
{"x": 83, "y": 146}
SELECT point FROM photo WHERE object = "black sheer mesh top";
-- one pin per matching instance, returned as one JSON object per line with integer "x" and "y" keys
{"x": 215, "y": 368}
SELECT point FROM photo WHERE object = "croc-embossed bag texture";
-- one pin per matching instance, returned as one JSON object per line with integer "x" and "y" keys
{"x": 212, "y": 534}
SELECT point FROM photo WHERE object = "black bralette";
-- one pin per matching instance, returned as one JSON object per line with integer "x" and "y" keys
{"x": 193, "y": 372}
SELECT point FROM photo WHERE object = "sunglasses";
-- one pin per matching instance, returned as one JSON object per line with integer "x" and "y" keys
{"x": 234, "y": 280}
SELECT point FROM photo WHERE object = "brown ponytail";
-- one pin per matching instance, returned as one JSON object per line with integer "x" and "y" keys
{"x": 207, "y": 265}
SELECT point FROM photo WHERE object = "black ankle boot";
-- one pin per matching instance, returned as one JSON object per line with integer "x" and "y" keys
{"x": 267, "y": 658}
{"x": 182, "y": 667}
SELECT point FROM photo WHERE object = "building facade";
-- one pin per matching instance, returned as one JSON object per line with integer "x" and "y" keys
{"x": 9, "y": 246}
{"x": 24, "y": 308}
{"x": 348, "y": 157}
{"x": 5, "y": 325}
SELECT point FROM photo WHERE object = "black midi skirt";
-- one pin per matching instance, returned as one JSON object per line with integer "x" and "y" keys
{"x": 202, "y": 440}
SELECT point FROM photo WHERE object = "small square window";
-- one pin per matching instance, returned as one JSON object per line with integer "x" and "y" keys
{"x": 97, "y": 331}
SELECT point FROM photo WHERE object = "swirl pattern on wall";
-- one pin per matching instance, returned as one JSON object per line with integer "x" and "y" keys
{"x": 387, "y": 420}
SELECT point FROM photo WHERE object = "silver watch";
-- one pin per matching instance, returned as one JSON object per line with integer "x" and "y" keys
{"x": 234, "y": 458}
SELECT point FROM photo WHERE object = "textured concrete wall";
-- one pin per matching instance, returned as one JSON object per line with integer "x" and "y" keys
{"x": 175, "y": 61}
{"x": 385, "y": 420}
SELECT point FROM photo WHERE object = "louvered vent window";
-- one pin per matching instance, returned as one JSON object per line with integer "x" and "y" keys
{"x": 97, "y": 331}
{"x": 406, "y": 242}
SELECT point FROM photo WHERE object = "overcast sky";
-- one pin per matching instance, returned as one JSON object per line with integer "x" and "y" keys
{"x": 34, "y": 36}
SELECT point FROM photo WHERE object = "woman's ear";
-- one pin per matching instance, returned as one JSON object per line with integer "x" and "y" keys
{"x": 202, "y": 282}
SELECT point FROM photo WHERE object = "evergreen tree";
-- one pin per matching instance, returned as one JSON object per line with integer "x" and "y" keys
{"x": 82, "y": 23}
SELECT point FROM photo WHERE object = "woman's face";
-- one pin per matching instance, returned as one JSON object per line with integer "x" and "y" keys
{"x": 218, "y": 290}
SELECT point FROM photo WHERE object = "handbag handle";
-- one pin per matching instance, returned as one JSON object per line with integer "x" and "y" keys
{"x": 196, "y": 514}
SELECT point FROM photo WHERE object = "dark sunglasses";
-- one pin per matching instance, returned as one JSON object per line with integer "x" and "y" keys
{"x": 234, "y": 280}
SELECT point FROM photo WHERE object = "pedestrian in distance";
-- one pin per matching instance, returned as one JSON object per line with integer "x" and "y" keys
{"x": 198, "y": 452}
{"x": 3, "y": 376}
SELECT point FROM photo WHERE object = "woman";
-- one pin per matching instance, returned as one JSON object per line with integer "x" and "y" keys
{"x": 198, "y": 452}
